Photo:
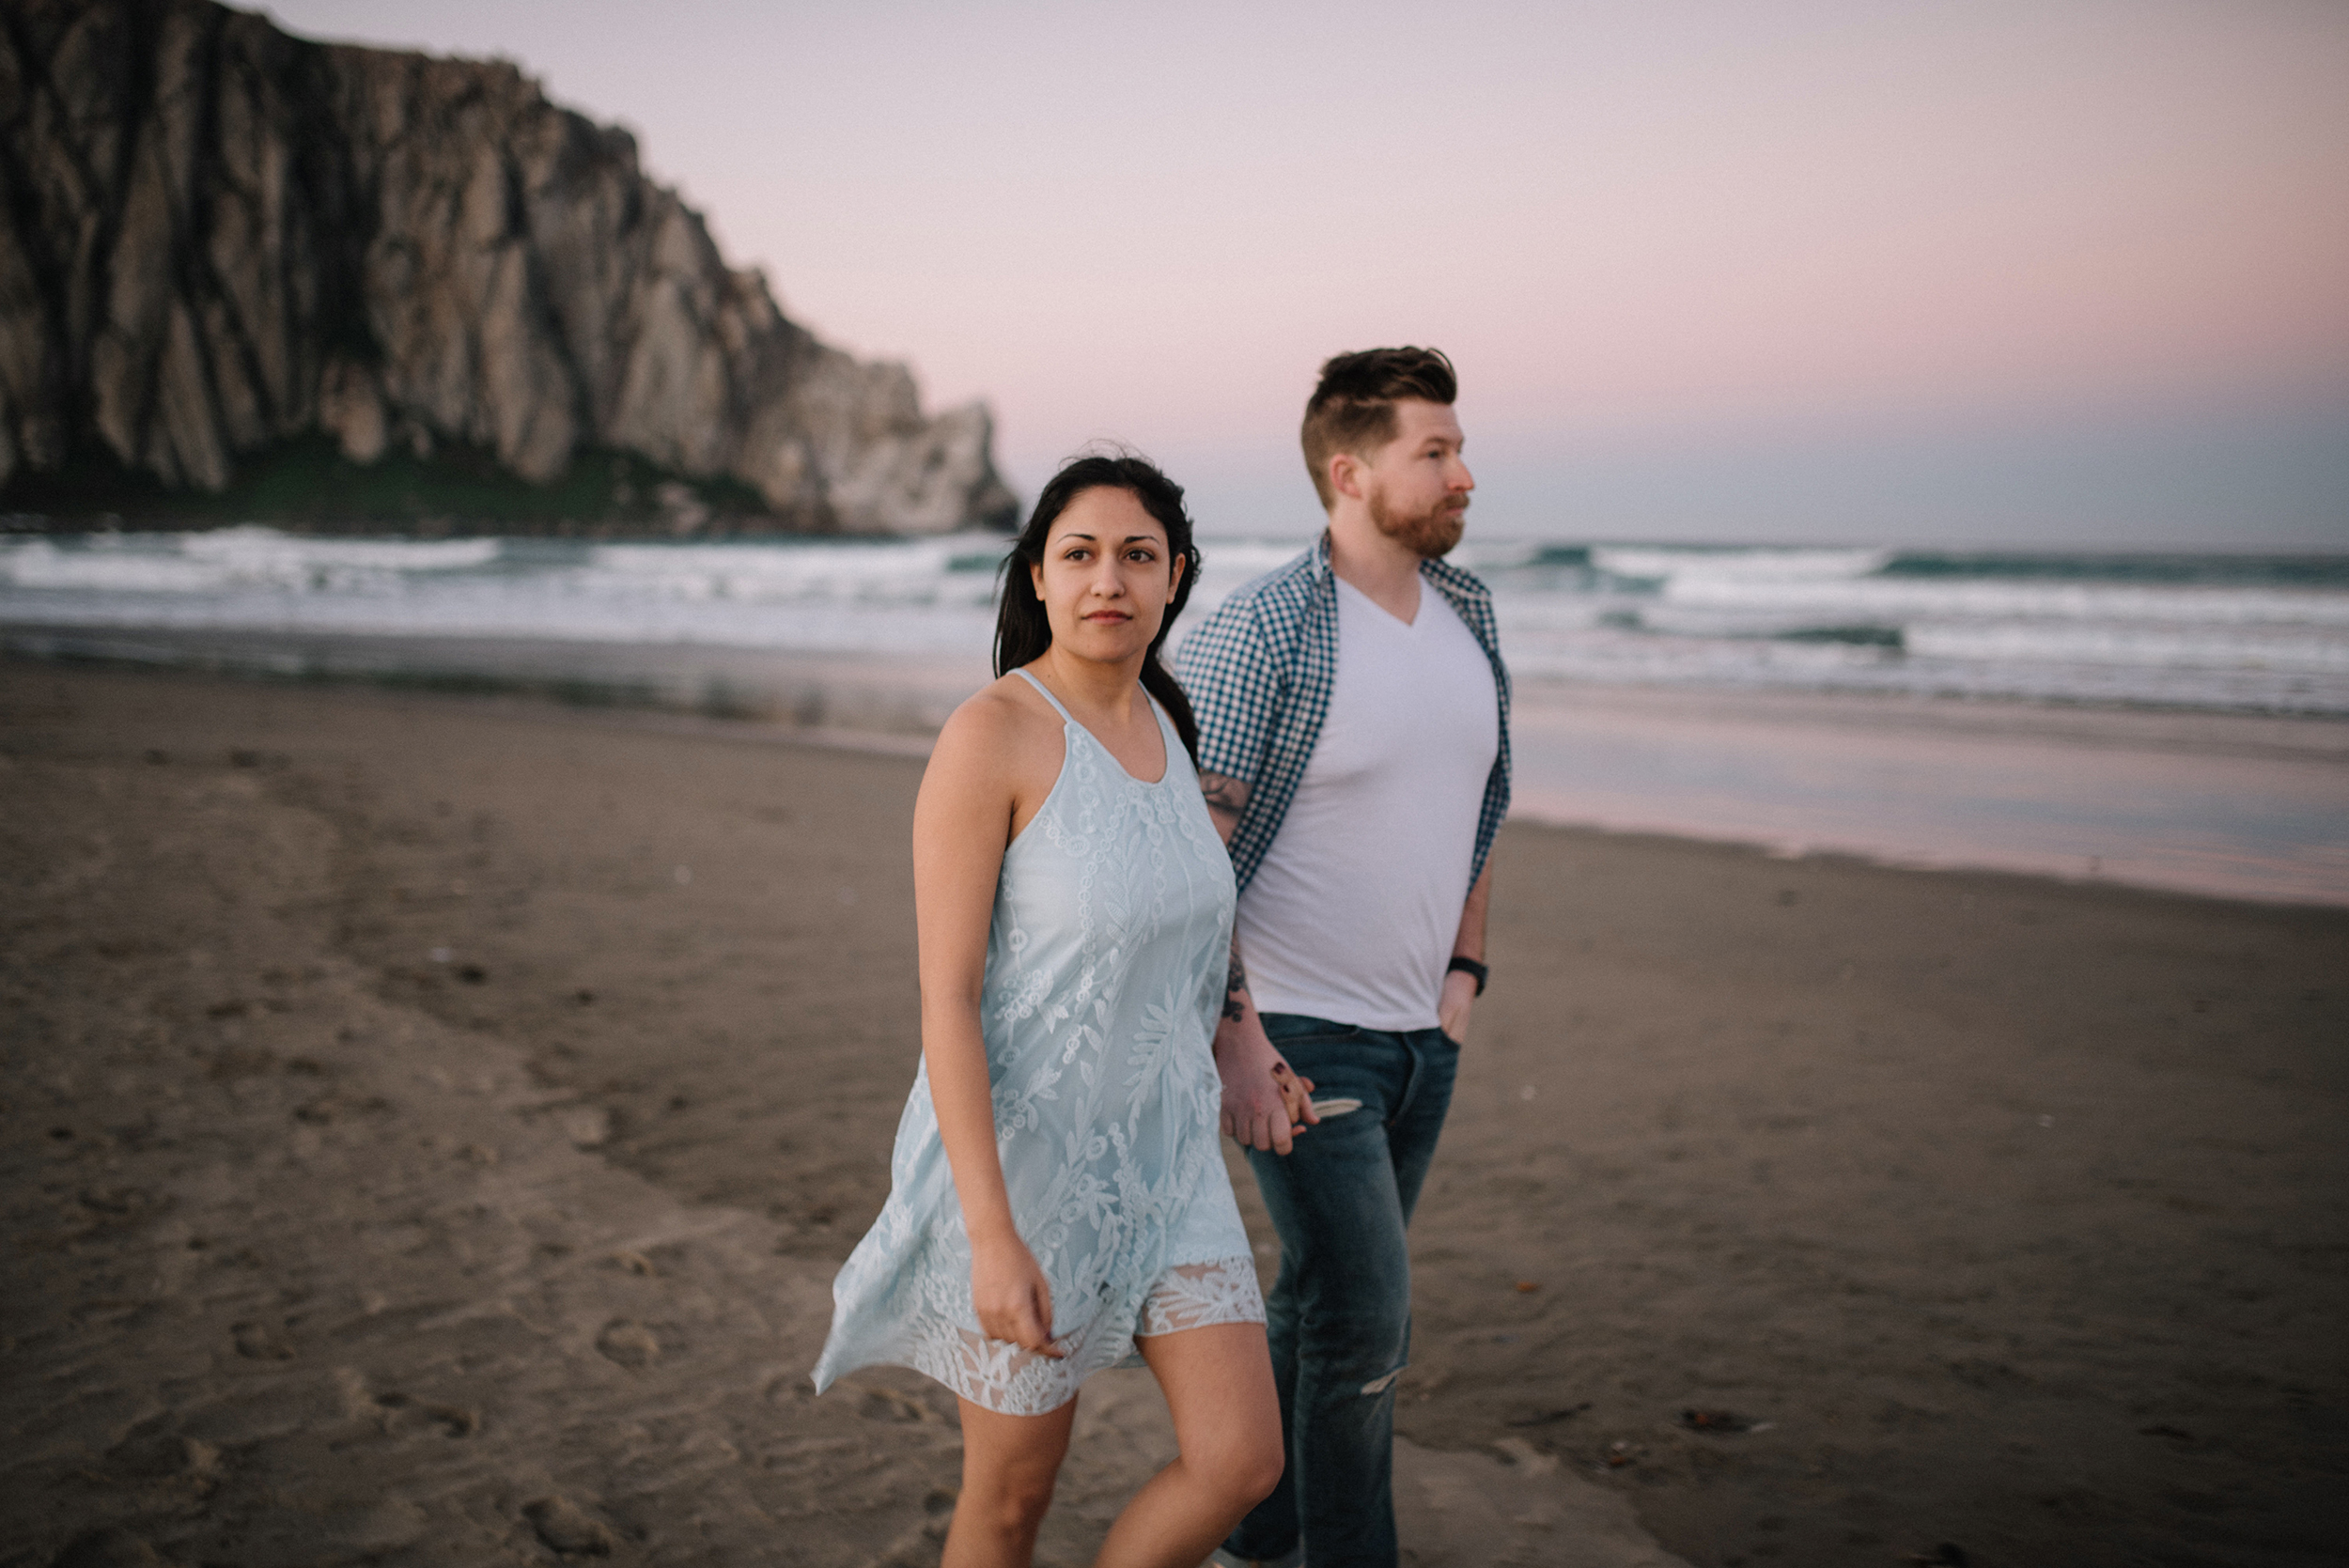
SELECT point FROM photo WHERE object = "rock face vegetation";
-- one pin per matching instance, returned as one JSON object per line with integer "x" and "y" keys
{"x": 226, "y": 253}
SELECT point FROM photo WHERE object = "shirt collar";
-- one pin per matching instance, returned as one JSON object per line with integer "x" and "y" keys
{"x": 1455, "y": 583}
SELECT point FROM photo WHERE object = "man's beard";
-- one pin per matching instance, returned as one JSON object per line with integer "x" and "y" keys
{"x": 1428, "y": 535}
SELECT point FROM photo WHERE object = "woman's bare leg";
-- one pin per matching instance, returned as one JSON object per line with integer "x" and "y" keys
{"x": 1218, "y": 1382}
{"x": 1009, "y": 1464}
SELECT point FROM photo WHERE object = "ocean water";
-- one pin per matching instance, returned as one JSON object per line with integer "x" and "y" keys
{"x": 2227, "y": 633}
{"x": 2171, "y": 720}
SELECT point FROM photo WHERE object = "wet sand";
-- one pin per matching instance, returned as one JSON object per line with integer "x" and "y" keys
{"x": 433, "y": 1123}
{"x": 2227, "y": 805}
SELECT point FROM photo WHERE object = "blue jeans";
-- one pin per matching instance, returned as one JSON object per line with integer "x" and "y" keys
{"x": 1339, "y": 1317}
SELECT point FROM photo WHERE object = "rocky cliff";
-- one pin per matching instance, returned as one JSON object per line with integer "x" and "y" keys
{"x": 220, "y": 244}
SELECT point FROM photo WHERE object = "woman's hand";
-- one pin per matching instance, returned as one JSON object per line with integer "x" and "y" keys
{"x": 1296, "y": 1097}
{"x": 1265, "y": 1103}
{"x": 1013, "y": 1299}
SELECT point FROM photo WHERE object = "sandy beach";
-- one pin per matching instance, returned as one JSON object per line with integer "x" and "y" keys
{"x": 433, "y": 1123}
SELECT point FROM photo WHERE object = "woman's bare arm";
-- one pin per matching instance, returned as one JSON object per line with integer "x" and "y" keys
{"x": 961, "y": 823}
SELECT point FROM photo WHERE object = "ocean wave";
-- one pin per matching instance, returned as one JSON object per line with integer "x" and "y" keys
{"x": 228, "y": 559}
{"x": 2147, "y": 647}
{"x": 1906, "y": 600}
{"x": 507, "y": 612}
{"x": 2216, "y": 570}
{"x": 1779, "y": 664}
{"x": 266, "y": 549}
{"x": 922, "y": 572}
{"x": 2268, "y": 634}
{"x": 1676, "y": 565}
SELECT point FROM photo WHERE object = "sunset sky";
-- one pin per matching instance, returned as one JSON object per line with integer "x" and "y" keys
{"x": 2071, "y": 271}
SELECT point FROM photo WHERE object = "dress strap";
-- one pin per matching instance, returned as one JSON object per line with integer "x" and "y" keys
{"x": 1168, "y": 734}
{"x": 1046, "y": 692}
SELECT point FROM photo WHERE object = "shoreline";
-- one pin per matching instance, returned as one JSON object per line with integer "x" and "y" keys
{"x": 2192, "y": 802}
{"x": 531, "y": 703}
{"x": 656, "y": 675}
{"x": 2227, "y": 805}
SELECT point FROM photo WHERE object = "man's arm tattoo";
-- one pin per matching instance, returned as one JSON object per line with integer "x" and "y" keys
{"x": 1223, "y": 792}
{"x": 1235, "y": 989}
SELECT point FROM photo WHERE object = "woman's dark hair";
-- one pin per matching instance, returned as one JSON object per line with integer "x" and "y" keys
{"x": 1022, "y": 630}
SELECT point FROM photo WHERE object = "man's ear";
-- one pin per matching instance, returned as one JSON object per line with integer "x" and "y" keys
{"x": 1345, "y": 474}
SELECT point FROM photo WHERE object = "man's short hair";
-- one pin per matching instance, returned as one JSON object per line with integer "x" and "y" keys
{"x": 1353, "y": 409}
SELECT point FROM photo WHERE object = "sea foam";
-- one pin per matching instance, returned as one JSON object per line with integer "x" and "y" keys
{"x": 2230, "y": 631}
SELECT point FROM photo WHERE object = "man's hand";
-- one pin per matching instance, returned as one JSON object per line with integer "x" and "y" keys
{"x": 1455, "y": 1005}
{"x": 1265, "y": 1103}
{"x": 1457, "y": 999}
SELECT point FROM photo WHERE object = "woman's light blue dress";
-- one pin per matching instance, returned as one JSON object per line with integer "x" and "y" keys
{"x": 1106, "y": 962}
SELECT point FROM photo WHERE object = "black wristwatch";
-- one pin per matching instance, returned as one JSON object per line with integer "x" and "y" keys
{"x": 1469, "y": 966}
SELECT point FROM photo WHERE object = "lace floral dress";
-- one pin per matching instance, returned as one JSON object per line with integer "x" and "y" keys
{"x": 1105, "y": 967}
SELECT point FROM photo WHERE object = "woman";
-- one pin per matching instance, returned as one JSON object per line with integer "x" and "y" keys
{"x": 1058, "y": 1200}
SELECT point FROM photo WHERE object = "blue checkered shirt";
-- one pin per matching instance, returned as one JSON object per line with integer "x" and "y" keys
{"x": 1258, "y": 672}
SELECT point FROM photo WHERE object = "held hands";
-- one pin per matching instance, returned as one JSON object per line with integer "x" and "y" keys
{"x": 1296, "y": 1097}
{"x": 1264, "y": 1104}
{"x": 1013, "y": 1299}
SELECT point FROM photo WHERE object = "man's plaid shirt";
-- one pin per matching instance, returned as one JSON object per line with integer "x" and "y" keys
{"x": 1258, "y": 674}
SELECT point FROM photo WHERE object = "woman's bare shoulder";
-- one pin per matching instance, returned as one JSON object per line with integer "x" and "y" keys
{"x": 1003, "y": 729}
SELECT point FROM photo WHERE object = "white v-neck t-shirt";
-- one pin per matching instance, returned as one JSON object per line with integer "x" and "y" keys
{"x": 1352, "y": 915}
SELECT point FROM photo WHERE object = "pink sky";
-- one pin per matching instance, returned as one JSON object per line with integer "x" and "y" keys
{"x": 2099, "y": 237}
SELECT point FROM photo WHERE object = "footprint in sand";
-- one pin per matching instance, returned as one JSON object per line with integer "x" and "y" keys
{"x": 106, "y": 1548}
{"x": 628, "y": 1343}
{"x": 333, "y": 1105}
{"x": 402, "y": 1414}
{"x": 887, "y": 1405}
{"x": 569, "y": 1530}
{"x": 155, "y": 1454}
{"x": 258, "y": 1341}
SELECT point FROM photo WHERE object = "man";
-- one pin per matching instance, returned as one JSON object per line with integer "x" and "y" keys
{"x": 1353, "y": 714}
